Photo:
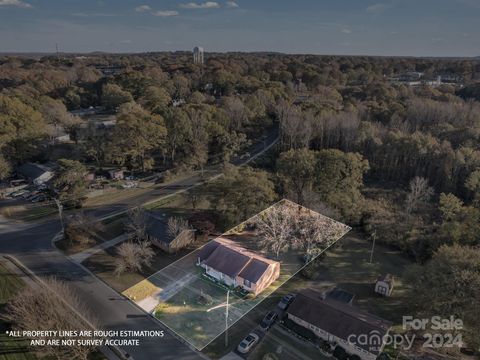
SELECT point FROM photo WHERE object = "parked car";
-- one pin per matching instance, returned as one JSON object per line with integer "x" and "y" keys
{"x": 28, "y": 195}
{"x": 286, "y": 301}
{"x": 19, "y": 193}
{"x": 247, "y": 344}
{"x": 130, "y": 185}
{"x": 268, "y": 320}
{"x": 39, "y": 198}
{"x": 31, "y": 195}
{"x": 18, "y": 182}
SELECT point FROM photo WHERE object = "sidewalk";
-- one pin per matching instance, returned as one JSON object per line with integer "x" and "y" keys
{"x": 150, "y": 303}
{"x": 82, "y": 256}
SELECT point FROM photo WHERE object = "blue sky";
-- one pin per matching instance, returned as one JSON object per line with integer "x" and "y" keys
{"x": 370, "y": 27}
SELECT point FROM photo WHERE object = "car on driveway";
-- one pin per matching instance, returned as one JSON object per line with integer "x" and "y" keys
{"x": 247, "y": 344}
{"x": 286, "y": 301}
{"x": 268, "y": 320}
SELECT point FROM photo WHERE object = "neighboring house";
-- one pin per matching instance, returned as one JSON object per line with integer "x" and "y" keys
{"x": 235, "y": 266}
{"x": 90, "y": 176}
{"x": 116, "y": 174}
{"x": 384, "y": 285}
{"x": 38, "y": 174}
{"x": 88, "y": 111}
{"x": 339, "y": 323}
{"x": 156, "y": 226}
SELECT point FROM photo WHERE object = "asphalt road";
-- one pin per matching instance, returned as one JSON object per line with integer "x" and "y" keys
{"x": 32, "y": 245}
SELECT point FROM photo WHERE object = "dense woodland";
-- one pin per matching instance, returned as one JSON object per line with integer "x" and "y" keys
{"x": 400, "y": 163}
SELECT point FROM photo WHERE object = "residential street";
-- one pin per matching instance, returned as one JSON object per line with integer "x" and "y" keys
{"x": 32, "y": 245}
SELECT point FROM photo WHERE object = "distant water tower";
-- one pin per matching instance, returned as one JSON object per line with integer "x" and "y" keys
{"x": 198, "y": 55}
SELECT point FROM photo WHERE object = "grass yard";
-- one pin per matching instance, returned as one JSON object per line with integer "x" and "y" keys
{"x": 180, "y": 285}
{"x": 11, "y": 348}
{"x": 177, "y": 288}
{"x": 186, "y": 312}
{"x": 347, "y": 266}
{"x": 285, "y": 347}
{"x": 29, "y": 212}
{"x": 102, "y": 264}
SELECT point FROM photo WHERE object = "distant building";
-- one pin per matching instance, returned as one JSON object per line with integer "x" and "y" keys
{"x": 116, "y": 174}
{"x": 38, "y": 174}
{"x": 384, "y": 285}
{"x": 88, "y": 111}
{"x": 235, "y": 266}
{"x": 340, "y": 323}
{"x": 198, "y": 55}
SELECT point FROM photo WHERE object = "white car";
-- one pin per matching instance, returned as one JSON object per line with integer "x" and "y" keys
{"x": 247, "y": 344}
{"x": 130, "y": 185}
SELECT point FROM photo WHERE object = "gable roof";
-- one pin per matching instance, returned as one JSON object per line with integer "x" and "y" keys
{"x": 337, "y": 318}
{"x": 387, "y": 278}
{"x": 156, "y": 226}
{"x": 228, "y": 257}
{"x": 227, "y": 261}
{"x": 33, "y": 171}
{"x": 254, "y": 270}
{"x": 207, "y": 250}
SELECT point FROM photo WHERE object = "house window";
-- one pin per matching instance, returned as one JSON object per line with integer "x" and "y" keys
{"x": 247, "y": 283}
{"x": 382, "y": 290}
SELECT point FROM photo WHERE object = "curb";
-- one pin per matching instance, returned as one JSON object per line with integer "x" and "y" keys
{"x": 108, "y": 351}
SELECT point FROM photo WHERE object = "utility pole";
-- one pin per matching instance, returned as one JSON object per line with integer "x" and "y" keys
{"x": 226, "y": 305}
{"x": 374, "y": 236}
{"x": 60, "y": 213}
{"x": 226, "y": 319}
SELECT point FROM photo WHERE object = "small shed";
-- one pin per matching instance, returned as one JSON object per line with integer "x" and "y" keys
{"x": 384, "y": 285}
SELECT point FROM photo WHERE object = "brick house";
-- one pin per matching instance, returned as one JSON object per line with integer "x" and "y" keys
{"x": 235, "y": 266}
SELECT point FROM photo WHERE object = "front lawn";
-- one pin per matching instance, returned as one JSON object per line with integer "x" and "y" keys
{"x": 347, "y": 266}
{"x": 102, "y": 264}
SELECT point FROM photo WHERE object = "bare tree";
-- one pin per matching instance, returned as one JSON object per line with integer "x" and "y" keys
{"x": 82, "y": 229}
{"x": 315, "y": 232}
{"x": 176, "y": 225}
{"x": 295, "y": 125}
{"x": 50, "y": 308}
{"x": 419, "y": 193}
{"x": 137, "y": 223}
{"x": 276, "y": 226}
{"x": 236, "y": 111}
{"x": 133, "y": 257}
